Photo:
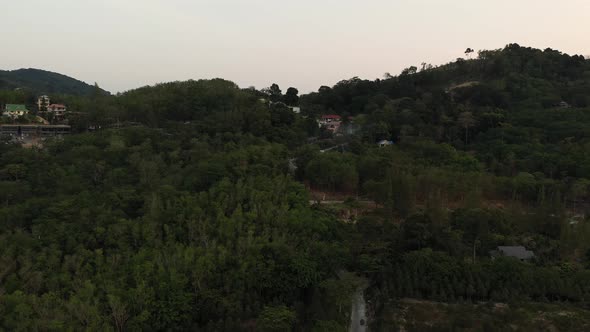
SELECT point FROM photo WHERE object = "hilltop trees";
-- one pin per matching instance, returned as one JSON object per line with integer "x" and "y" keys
{"x": 291, "y": 97}
{"x": 274, "y": 93}
{"x": 492, "y": 104}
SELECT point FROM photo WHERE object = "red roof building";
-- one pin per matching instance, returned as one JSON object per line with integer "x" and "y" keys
{"x": 331, "y": 117}
{"x": 56, "y": 108}
{"x": 331, "y": 122}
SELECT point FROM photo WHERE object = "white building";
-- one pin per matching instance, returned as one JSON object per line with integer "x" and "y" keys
{"x": 43, "y": 102}
{"x": 384, "y": 143}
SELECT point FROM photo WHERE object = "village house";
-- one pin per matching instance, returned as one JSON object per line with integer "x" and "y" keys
{"x": 57, "y": 109}
{"x": 15, "y": 110}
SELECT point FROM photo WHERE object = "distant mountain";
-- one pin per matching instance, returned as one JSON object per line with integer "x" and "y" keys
{"x": 44, "y": 82}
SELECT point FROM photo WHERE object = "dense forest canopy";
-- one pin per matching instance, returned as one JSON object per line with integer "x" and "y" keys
{"x": 199, "y": 205}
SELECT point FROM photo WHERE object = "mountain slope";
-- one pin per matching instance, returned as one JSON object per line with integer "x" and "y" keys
{"x": 512, "y": 77}
{"x": 41, "y": 81}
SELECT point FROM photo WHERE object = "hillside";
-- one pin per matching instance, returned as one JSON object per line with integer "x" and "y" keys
{"x": 189, "y": 205}
{"x": 509, "y": 78}
{"x": 44, "y": 82}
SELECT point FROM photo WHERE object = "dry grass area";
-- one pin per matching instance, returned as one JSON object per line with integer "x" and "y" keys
{"x": 464, "y": 85}
{"x": 416, "y": 315}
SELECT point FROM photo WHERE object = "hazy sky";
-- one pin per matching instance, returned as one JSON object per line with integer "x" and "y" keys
{"x": 123, "y": 44}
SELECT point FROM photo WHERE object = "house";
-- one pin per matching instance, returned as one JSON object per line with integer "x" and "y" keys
{"x": 384, "y": 143}
{"x": 518, "y": 252}
{"x": 295, "y": 109}
{"x": 57, "y": 109}
{"x": 331, "y": 122}
{"x": 15, "y": 110}
{"x": 43, "y": 102}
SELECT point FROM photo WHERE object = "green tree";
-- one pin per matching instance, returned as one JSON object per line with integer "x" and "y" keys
{"x": 276, "y": 319}
{"x": 291, "y": 97}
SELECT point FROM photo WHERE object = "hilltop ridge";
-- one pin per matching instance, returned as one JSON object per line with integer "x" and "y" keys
{"x": 44, "y": 82}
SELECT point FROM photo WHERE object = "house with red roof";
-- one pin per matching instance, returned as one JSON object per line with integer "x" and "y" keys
{"x": 332, "y": 122}
{"x": 57, "y": 109}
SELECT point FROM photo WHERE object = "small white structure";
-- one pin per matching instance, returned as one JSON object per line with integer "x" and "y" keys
{"x": 518, "y": 252}
{"x": 384, "y": 143}
{"x": 295, "y": 109}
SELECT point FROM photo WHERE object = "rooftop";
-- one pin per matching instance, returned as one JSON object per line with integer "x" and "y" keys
{"x": 331, "y": 116}
{"x": 15, "y": 107}
{"x": 516, "y": 251}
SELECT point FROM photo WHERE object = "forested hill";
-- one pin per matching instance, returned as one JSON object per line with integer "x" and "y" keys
{"x": 44, "y": 82}
{"x": 507, "y": 78}
{"x": 517, "y": 109}
{"x": 201, "y": 206}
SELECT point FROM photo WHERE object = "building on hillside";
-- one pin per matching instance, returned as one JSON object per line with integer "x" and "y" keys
{"x": 518, "y": 252}
{"x": 57, "y": 109}
{"x": 43, "y": 102}
{"x": 295, "y": 109}
{"x": 384, "y": 143}
{"x": 332, "y": 122}
{"x": 15, "y": 110}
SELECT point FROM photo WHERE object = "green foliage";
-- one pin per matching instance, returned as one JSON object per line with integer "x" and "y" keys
{"x": 333, "y": 171}
{"x": 276, "y": 319}
{"x": 133, "y": 229}
{"x": 328, "y": 326}
{"x": 181, "y": 211}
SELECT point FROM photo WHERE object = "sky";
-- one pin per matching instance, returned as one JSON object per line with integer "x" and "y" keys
{"x": 125, "y": 44}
